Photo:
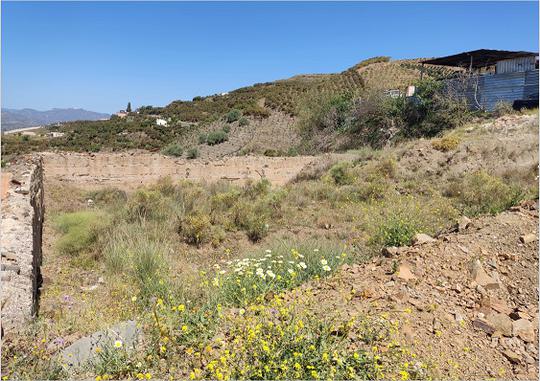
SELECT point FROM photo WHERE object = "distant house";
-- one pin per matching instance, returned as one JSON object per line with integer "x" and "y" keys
{"x": 121, "y": 114}
{"x": 492, "y": 76}
{"x": 161, "y": 122}
{"x": 56, "y": 134}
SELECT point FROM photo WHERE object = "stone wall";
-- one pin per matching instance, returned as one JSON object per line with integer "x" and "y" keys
{"x": 22, "y": 213}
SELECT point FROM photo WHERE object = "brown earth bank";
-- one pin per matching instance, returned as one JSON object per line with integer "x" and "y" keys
{"x": 465, "y": 303}
{"x": 133, "y": 169}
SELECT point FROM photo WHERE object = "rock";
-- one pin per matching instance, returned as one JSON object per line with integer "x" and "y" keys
{"x": 501, "y": 323}
{"x": 528, "y": 238}
{"x": 10, "y": 267}
{"x": 458, "y": 317}
{"x": 390, "y": 252}
{"x": 508, "y": 256}
{"x": 84, "y": 349}
{"x": 500, "y": 306}
{"x": 523, "y": 329}
{"x": 421, "y": 238}
{"x": 529, "y": 359}
{"x": 480, "y": 276}
{"x": 512, "y": 356}
{"x": 463, "y": 223}
{"x": 484, "y": 326}
{"x": 404, "y": 272}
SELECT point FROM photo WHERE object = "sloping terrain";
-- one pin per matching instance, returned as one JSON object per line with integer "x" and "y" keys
{"x": 270, "y": 109}
{"x": 465, "y": 303}
{"x": 298, "y": 276}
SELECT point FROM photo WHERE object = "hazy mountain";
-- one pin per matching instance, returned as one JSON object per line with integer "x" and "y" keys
{"x": 27, "y": 117}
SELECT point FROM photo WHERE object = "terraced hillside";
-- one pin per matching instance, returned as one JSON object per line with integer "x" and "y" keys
{"x": 262, "y": 101}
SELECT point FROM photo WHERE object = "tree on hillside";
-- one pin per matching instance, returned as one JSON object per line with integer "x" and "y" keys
{"x": 128, "y": 108}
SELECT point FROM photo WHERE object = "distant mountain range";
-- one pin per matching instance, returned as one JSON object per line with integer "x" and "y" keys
{"x": 21, "y": 118}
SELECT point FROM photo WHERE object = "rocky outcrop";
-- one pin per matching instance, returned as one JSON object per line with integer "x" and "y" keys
{"x": 21, "y": 235}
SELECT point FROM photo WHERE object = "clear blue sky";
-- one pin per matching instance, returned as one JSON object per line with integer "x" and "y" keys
{"x": 100, "y": 55}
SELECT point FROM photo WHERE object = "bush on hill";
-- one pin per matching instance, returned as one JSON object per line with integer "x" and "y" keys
{"x": 217, "y": 137}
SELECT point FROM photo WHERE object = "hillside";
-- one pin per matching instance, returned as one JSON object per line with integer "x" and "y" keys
{"x": 414, "y": 261}
{"x": 278, "y": 101}
{"x": 23, "y": 118}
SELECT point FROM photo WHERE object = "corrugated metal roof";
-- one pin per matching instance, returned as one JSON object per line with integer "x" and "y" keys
{"x": 480, "y": 58}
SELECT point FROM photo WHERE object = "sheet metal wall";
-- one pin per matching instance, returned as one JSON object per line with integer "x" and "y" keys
{"x": 485, "y": 91}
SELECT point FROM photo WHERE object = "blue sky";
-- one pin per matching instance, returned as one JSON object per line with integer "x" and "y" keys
{"x": 100, "y": 55}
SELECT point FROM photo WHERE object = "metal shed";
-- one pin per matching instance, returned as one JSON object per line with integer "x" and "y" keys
{"x": 493, "y": 76}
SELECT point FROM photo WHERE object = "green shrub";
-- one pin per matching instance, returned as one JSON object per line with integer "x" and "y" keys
{"x": 395, "y": 220}
{"x": 193, "y": 153}
{"x": 173, "y": 149}
{"x": 273, "y": 153}
{"x": 341, "y": 174}
{"x": 233, "y": 116}
{"x": 227, "y": 129}
{"x": 256, "y": 189}
{"x": 478, "y": 193}
{"x": 256, "y": 226}
{"x": 80, "y": 231}
{"x": 385, "y": 167}
{"x": 243, "y": 122}
{"x": 202, "y": 138}
{"x": 146, "y": 204}
{"x": 108, "y": 196}
{"x": 195, "y": 228}
{"x": 325, "y": 112}
{"x": 217, "y": 137}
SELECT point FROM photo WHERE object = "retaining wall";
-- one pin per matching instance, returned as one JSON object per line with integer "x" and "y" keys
{"x": 22, "y": 212}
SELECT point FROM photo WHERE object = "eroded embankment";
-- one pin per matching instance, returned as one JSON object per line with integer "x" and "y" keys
{"x": 134, "y": 169}
{"x": 21, "y": 236}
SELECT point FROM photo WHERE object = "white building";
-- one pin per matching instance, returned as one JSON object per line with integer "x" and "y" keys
{"x": 161, "y": 122}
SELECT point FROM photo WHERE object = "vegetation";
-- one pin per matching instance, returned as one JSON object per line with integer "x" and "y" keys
{"x": 479, "y": 192}
{"x": 217, "y": 137}
{"x": 80, "y": 231}
{"x": 446, "y": 143}
{"x": 193, "y": 153}
{"x": 173, "y": 149}
{"x": 220, "y": 276}
{"x": 258, "y": 102}
{"x": 375, "y": 119}
{"x": 199, "y": 263}
{"x": 233, "y": 116}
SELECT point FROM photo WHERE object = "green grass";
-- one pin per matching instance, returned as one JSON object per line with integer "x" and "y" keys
{"x": 80, "y": 231}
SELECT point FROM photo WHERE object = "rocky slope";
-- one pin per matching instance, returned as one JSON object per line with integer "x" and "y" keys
{"x": 466, "y": 303}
